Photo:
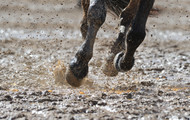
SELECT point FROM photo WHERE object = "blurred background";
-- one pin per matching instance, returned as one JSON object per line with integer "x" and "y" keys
{"x": 32, "y": 15}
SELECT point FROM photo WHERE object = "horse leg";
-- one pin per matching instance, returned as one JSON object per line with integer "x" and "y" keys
{"x": 78, "y": 67}
{"x": 126, "y": 18}
{"x": 84, "y": 24}
{"x": 124, "y": 61}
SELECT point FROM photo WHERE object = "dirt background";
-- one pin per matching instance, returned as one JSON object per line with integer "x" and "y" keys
{"x": 39, "y": 37}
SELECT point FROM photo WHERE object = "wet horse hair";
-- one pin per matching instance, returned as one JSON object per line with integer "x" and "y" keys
{"x": 133, "y": 17}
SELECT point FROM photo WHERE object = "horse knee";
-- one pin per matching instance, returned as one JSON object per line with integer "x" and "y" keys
{"x": 97, "y": 13}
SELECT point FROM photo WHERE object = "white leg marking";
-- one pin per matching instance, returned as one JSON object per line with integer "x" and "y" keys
{"x": 122, "y": 29}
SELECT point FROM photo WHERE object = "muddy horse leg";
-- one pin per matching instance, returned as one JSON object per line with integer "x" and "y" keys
{"x": 124, "y": 61}
{"x": 126, "y": 17}
{"x": 84, "y": 24}
{"x": 78, "y": 67}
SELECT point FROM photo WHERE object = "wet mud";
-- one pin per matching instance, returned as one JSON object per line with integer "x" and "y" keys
{"x": 38, "y": 38}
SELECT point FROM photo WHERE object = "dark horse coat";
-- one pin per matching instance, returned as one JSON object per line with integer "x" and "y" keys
{"x": 133, "y": 17}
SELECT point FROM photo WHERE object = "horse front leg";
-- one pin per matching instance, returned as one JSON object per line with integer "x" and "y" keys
{"x": 84, "y": 24}
{"x": 124, "y": 60}
{"x": 126, "y": 18}
{"x": 78, "y": 67}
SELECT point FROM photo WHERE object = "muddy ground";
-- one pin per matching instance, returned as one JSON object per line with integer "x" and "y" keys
{"x": 39, "y": 37}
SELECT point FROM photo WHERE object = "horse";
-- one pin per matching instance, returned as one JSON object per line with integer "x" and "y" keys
{"x": 133, "y": 16}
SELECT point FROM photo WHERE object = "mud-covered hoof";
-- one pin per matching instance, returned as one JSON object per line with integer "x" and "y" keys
{"x": 121, "y": 65}
{"x": 109, "y": 69}
{"x": 76, "y": 71}
{"x": 72, "y": 79}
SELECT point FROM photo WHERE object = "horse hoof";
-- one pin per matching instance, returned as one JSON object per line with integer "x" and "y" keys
{"x": 72, "y": 79}
{"x": 117, "y": 60}
{"x": 123, "y": 66}
{"x": 109, "y": 69}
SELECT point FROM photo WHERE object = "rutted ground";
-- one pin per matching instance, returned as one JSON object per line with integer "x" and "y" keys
{"x": 37, "y": 37}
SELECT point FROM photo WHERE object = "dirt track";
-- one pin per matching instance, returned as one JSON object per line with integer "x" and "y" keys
{"x": 37, "y": 37}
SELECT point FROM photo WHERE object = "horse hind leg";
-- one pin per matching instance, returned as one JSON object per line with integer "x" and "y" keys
{"x": 78, "y": 67}
{"x": 126, "y": 17}
{"x": 124, "y": 60}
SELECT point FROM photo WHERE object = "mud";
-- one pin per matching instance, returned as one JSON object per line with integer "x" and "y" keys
{"x": 38, "y": 38}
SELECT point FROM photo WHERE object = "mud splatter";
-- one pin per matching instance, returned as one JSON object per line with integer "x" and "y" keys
{"x": 38, "y": 37}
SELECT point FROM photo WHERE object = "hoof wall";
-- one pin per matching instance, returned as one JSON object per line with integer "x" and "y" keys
{"x": 72, "y": 79}
{"x": 123, "y": 65}
{"x": 109, "y": 69}
{"x": 117, "y": 61}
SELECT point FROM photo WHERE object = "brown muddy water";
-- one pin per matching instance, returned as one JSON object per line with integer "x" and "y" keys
{"x": 39, "y": 37}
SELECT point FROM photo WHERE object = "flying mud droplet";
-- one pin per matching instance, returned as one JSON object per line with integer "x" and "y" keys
{"x": 59, "y": 73}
